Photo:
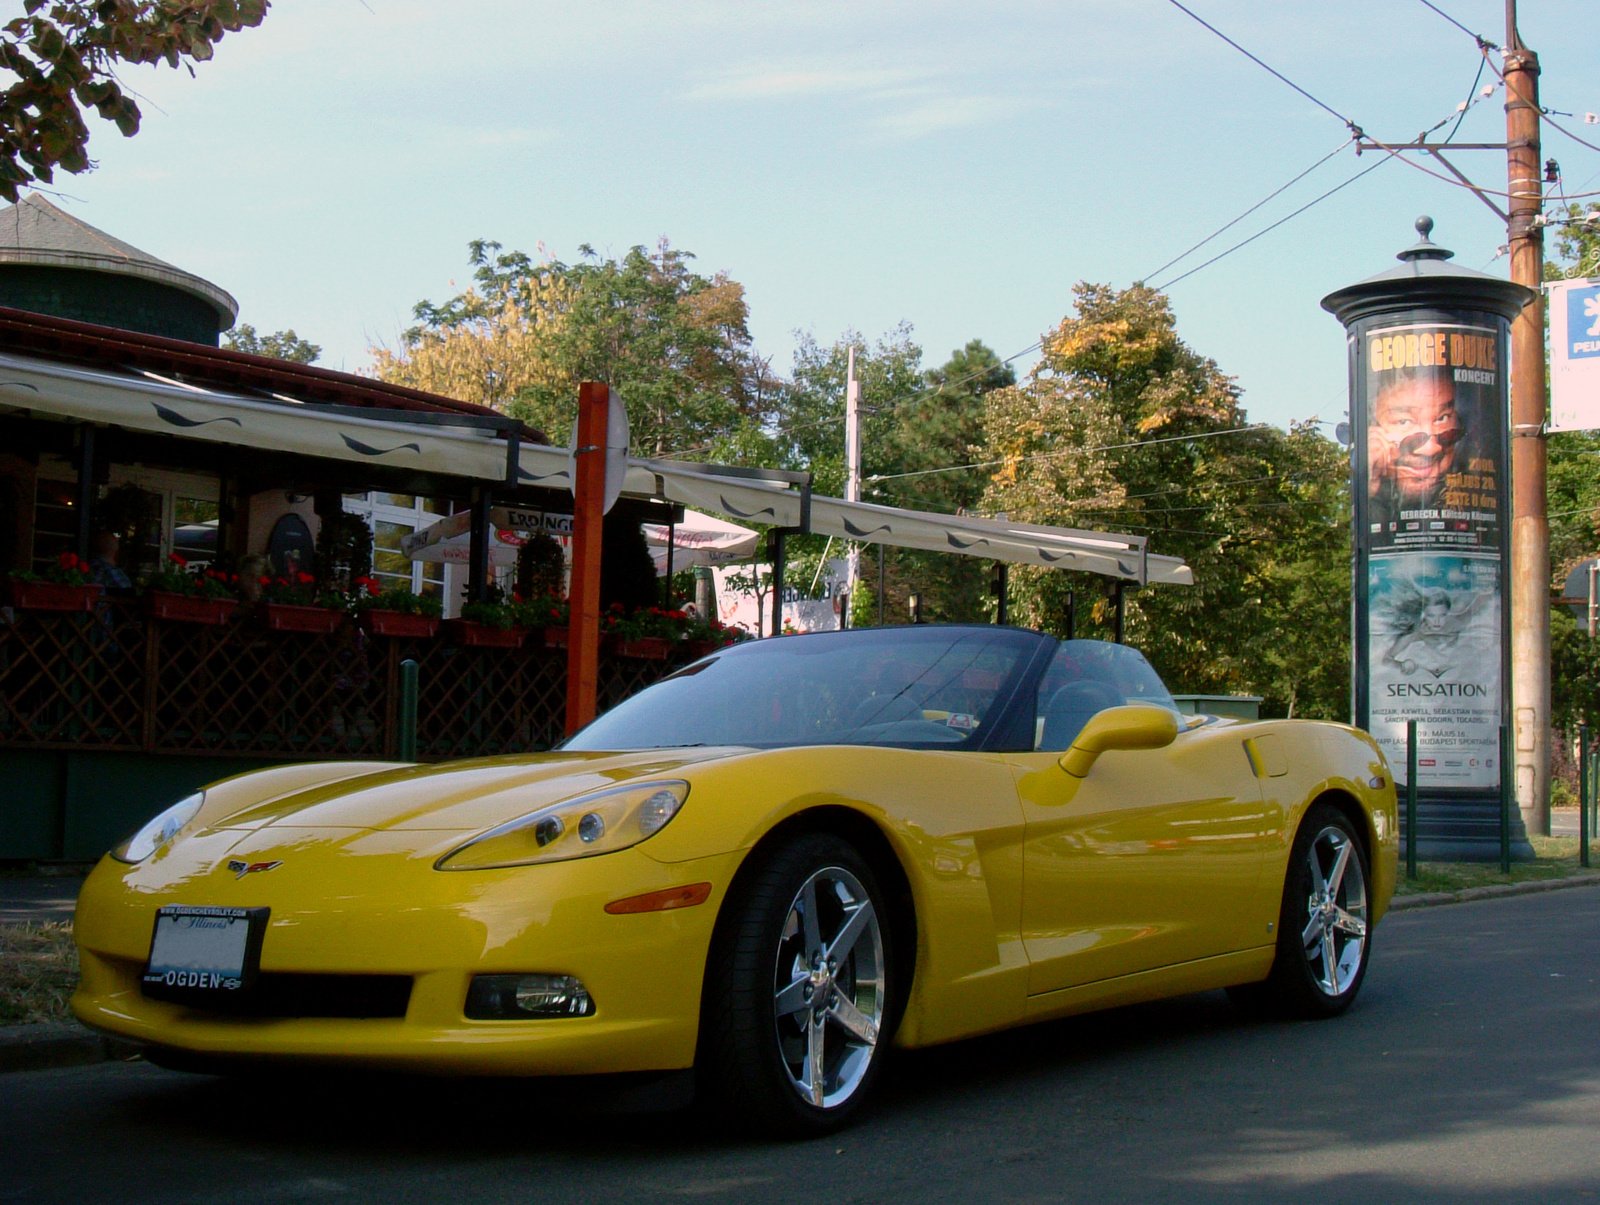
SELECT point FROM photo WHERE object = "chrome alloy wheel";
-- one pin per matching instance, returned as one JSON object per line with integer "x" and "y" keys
{"x": 1335, "y": 935}
{"x": 828, "y": 988}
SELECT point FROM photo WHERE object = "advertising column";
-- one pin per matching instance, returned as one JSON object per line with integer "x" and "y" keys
{"x": 1431, "y": 518}
{"x": 1430, "y": 489}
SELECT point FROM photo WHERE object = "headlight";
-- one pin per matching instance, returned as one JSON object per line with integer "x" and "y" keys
{"x": 599, "y": 823}
{"x": 159, "y": 831}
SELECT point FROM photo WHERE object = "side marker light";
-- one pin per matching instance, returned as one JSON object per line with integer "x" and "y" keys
{"x": 662, "y": 901}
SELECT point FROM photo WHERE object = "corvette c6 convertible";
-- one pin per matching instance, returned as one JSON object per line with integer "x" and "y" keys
{"x": 767, "y": 868}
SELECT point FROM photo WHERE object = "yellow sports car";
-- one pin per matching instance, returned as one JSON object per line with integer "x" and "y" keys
{"x": 765, "y": 868}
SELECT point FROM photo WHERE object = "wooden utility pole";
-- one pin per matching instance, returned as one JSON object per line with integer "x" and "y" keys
{"x": 1530, "y": 526}
{"x": 588, "y": 516}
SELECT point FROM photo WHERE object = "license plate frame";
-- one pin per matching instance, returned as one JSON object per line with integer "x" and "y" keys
{"x": 198, "y": 953}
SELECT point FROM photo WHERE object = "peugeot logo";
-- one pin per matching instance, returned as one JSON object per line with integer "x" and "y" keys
{"x": 240, "y": 869}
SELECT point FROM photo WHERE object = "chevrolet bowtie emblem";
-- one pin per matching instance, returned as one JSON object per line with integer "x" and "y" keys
{"x": 240, "y": 869}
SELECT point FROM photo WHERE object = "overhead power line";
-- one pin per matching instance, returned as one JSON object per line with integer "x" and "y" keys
{"x": 1471, "y": 33}
{"x": 1354, "y": 129}
{"x": 1268, "y": 229}
{"x": 1224, "y": 229}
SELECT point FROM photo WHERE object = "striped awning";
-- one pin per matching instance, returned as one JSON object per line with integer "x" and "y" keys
{"x": 462, "y": 446}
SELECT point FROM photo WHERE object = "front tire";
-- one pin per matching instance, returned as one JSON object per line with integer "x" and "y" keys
{"x": 1324, "y": 939}
{"x": 798, "y": 991}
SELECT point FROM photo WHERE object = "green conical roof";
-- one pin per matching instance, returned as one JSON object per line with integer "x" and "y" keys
{"x": 35, "y": 232}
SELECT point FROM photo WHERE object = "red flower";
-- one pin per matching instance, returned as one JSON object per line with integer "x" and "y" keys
{"x": 69, "y": 560}
{"x": 372, "y": 588}
{"x": 178, "y": 561}
{"x": 265, "y": 580}
{"x": 304, "y": 578}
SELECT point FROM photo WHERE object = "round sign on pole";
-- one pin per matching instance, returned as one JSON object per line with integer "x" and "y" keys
{"x": 616, "y": 451}
{"x": 1578, "y": 587}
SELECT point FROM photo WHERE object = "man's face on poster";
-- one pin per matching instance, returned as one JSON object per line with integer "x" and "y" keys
{"x": 1414, "y": 436}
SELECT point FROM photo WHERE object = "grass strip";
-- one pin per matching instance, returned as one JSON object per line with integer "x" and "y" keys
{"x": 1557, "y": 857}
{"x": 38, "y": 971}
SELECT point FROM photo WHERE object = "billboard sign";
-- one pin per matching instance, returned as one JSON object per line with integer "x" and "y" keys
{"x": 1574, "y": 311}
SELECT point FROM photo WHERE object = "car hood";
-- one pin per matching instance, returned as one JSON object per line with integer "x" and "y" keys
{"x": 464, "y": 797}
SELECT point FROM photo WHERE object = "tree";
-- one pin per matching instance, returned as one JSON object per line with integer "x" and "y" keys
{"x": 64, "y": 57}
{"x": 1123, "y": 427}
{"x": 280, "y": 345}
{"x": 674, "y": 344}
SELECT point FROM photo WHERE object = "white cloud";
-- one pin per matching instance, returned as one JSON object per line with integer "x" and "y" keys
{"x": 900, "y": 102}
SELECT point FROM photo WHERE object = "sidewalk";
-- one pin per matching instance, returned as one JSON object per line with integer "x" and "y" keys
{"x": 50, "y": 898}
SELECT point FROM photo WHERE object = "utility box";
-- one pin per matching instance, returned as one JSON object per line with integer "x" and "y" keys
{"x": 1237, "y": 707}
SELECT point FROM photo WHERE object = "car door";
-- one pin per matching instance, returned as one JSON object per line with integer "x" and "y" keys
{"x": 1150, "y": 860}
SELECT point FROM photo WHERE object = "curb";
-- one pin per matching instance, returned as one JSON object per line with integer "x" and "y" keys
{"x": 56, "y": 1044}
{"x": 1434, "y": 899}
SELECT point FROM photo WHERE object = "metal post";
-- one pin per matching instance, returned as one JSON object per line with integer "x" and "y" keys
{"x": 1411, "y": 799}
{"x": 1583, "y": 793}
{"x": 1072, "y": 614}
{"x": 1119, "y": 593}
{"x": 1507, "y": 753}
{"x": 406, "y": 738}
{"x": 778, "y": 553}
{"x": 1594, "y": 598}
{"x": 85, "y": 487}
{"x": 1594, "y": 790}
{"x": 1530, "y": 526}
{"x": 1001, "y": 581}
{"x": 478, "y": 546}
{"x": 852, "y": 460}
{"x": 672, "y": 537}
{"x": 880, "y": 585}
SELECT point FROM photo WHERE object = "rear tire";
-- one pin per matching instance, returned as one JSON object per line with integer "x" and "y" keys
{"x": 802, "y": 966}
{"x": 1324, "y": 940}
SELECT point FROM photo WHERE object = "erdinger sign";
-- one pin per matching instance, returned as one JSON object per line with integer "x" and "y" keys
{"x": 1431, "y": 633}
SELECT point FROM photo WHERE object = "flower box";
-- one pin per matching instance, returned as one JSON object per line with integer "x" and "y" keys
{"x": 649, "y": 648}
{"x": 555, "y": 638}
{"x": 186, "y": 608}
{"x": 399, "y": 623}
{"x": 287, "y": 617}
{"x": 464, "y": 631}
{"x": 695, "y": 649}
{"x": 53, "y": 596}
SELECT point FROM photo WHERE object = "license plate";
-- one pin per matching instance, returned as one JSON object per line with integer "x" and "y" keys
{"x": 204, "y": 952}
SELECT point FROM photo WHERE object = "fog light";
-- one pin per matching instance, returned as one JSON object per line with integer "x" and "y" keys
{"x": 510, "y": 997}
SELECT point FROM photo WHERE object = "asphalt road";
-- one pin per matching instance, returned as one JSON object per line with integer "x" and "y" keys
{"x": 1469, "y": 1071}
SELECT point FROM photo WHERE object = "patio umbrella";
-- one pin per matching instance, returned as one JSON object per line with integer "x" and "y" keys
{"x": 700, "y": 539}
{"x": 449, "y": 542}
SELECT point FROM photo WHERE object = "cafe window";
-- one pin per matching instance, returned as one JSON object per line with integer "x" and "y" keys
{"x": 156, "y": 513}
{"x": 392, "y": 517}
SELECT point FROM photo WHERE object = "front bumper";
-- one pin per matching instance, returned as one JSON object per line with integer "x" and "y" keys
{"x": 359, "y": 904}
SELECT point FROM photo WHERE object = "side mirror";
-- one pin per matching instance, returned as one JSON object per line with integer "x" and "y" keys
{"x": 1136, "y": 726}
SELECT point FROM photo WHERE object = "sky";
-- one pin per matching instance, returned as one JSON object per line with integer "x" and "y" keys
{"x": 957, "y": 167}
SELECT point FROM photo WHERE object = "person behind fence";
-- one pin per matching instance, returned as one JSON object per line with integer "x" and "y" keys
{"x": 103, "y": 568}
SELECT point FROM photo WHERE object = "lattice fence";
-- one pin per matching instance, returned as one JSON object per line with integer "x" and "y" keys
{"x": 116, "y": 679}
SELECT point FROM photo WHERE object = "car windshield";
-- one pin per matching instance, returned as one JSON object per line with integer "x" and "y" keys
{"x": 916, "y": 687}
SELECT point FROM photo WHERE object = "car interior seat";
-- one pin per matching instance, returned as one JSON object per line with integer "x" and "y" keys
{"x": 1070, "y": 708}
